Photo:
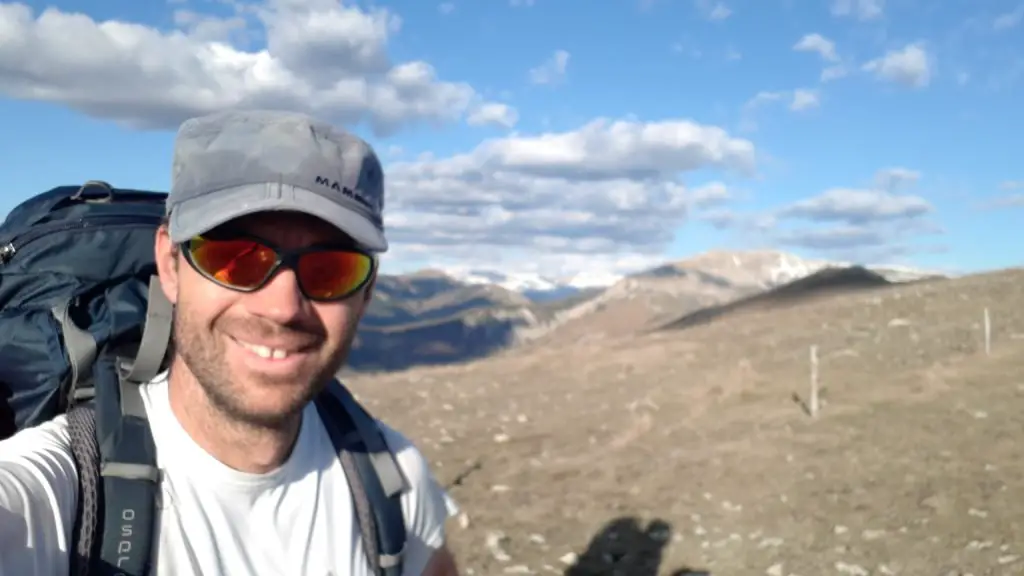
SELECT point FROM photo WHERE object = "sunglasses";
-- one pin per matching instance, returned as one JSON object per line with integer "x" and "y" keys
{"x": 246, "y": 264}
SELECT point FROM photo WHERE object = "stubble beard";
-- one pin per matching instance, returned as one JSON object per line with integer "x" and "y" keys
{"x": 202, "y": 352}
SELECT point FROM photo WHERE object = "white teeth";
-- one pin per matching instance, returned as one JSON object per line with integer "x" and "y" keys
{"x": 266, "y": 351}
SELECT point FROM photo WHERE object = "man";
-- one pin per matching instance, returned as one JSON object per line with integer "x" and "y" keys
{"x": 269, "y": 255}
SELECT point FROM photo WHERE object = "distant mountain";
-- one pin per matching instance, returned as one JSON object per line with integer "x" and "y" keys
{"x": 430, "y": 317}
{"x": 534, "y": 286}
{"x": 439, "y": 317}
{"x": 826, "y": 281}
{"x": 653, "y": 297}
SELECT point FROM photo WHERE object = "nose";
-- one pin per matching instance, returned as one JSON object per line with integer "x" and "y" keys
{"x": 280, "y": 300}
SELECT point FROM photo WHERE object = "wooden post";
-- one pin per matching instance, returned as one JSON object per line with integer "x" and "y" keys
{"x": 988, "y": 334}
{"x": 814, "y": 382}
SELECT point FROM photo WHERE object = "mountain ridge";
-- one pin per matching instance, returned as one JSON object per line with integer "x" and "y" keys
{"x": 435, "y": 316}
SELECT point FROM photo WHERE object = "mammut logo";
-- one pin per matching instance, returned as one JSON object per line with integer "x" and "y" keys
{"x": 337, "y": 187}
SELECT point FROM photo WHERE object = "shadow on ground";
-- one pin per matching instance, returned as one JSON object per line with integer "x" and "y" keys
{"x": 626, "y": 548}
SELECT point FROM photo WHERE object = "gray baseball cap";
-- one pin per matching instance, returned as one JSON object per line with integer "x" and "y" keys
{"x": 233, "y": 164}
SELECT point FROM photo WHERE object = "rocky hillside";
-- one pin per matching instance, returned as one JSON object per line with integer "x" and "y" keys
{"x": 432, "y": 317}
{"x": 825, "y": 282}
{"x": 652, "y": 297}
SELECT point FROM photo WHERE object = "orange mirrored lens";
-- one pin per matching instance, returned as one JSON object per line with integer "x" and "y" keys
{"x": 239, "y": 263}
{"x": 331, "y": 274}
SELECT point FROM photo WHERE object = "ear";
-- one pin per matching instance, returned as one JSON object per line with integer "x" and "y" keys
{"x": 166, "y": 254}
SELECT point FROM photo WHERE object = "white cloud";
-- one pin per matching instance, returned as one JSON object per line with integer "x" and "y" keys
{"x": 446, "y": 7}
{"x": 804, "y": 99}
{"x": 818, "y": 44}
{"x": 859, "y": 9}
{"x": 710, "y": 195}
{"x": 834, "y": 73}
{"x": 1015, "y": 200}
{"x": 1009, "y": 20}
{"x": 826, "y": 50}
{"x": 910, "y": 66}
{"x": 856, "y": 224}
{"x": 764, "y": 97}
{"x": 842, "y": 237}
{"x": 552, "y": 70}
{"x": 797, "y": 100}
{"x": 858, "y": 207}
{"x": 321, "y": 56}
{"x": 892, "y": 179}
{"x": 493, "y": 114}
{"x": 714, "y": 11}
{"x": 1011, "y": 196}
{"x": 720, "y": 218}
{"x": 607, "y": 194}
{"x": 204, "y": 27}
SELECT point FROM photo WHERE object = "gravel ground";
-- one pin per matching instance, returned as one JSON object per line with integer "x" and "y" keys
{"x": 690, "y": 450}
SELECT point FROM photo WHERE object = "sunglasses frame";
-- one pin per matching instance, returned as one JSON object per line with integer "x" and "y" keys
{"x": 282, "y": 259}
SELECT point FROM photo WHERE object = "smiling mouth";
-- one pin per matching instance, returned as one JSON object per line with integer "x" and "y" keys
{"x": 268, "y": 352}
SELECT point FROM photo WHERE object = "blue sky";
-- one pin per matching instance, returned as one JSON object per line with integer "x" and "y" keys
{"x": 566, "y": 137}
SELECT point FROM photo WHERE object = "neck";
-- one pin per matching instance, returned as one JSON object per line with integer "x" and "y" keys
{"x": 240, "y": 445}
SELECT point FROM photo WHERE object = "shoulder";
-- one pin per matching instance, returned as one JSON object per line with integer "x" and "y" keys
{"x": 412, "y": 462}
{"x": 415, "y": 467}
{"x": 45, "y": 448}
{"x": 426, "y": 505}
{"x": 38, "y": 498}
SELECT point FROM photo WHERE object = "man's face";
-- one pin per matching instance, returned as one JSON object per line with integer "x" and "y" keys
{"x": 218, "y": 332}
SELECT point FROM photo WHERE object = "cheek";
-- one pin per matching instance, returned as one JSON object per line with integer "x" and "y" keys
{"x": 204, "y": 300}
{"x": 339, "y": 320}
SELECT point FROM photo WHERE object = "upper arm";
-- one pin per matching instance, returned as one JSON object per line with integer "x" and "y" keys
{"x": 38, "y": 496}
{"x": 426, "y": 506}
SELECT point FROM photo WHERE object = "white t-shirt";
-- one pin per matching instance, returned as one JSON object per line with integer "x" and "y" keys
{"x": 297, "y": 520}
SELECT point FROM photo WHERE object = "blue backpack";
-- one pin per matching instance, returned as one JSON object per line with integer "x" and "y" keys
{"x": 83, "y": 322}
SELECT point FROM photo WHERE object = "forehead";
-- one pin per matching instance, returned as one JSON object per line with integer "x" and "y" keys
{"x": 287, "y": 229}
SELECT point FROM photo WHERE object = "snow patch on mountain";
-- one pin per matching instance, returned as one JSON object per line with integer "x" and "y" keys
{"x": 532, "y": 285}
{"x": 517, "y": 282}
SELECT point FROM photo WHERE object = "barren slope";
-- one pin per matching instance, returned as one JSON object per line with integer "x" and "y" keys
{"x": 914, "y": 466}
{"x": 651, "y": 298}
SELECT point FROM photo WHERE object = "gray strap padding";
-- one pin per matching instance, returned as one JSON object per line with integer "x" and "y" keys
{"x": 131, "y": 399}
{"x": 81, "y": 346}
{"x": 132, "y": 404}
{"x": 84, "y": 394}
{"x": 130, "y": 471}
{"x": 391, "y": 478}
{"x": 388, "y": 561}
{"x": 364, "y": 515}
{"x": 156, "y": 334}
{"x": 383, "y": 460}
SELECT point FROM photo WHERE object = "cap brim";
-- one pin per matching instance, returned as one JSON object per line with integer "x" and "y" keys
{"x": 198, "y": 216}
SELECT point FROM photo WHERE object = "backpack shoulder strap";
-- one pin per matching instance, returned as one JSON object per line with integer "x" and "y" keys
{"x": 81, "y": 349}
{"x": 373, "y": 475}
{"x": 116, "y": 457}
{"x": 156, "y": 334}
{"x": 85, "y": 451}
